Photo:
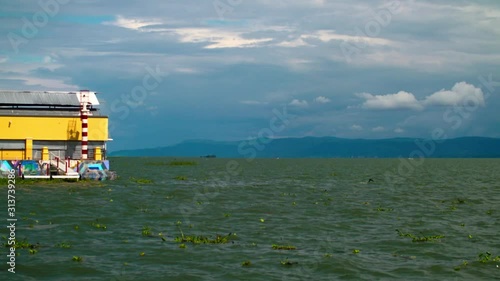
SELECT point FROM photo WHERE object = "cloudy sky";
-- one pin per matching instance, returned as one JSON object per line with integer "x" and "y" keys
{"x": 172, "y": 70}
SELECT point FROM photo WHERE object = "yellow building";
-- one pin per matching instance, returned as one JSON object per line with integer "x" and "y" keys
{"x": 47, "y": 125}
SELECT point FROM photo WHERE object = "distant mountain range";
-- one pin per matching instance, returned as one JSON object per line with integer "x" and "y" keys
{"x": 328, "y": 147}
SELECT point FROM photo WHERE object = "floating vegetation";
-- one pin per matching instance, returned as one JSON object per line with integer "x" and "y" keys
{"x": 489, "y": 212}
{"x": 462, "y": 265}
{"x": 327, "y": 255}
{"x": 246, "y": 263}
{"x": 182, "y": 163}
{"x": 30, "y": 182}
{"x": 288, "y": 262}
{"x": 455, "y": 202}
{"x": 146, "y": 231}
{"x": 140, "y": 180}
{"x": 21, "y": 244}
{"x": 284, "y": 247}
{"x": 182, "y": 246}
{"x": 142, "y": 254}
{"x": 181, "y": 178}
{"x": 458, "y": 201}
{"x": 487, "y": 257}
{"x": 98, "y": 225}
{"x": 64, "y": 245}
{"x": 420, "y": 238}
{"x": 200, "y": 239}
{"x": 356, "y": 251}
{"x": 380, "y": 209}
{"x": 226, "y": 215}
{"x": 33, "y": 251}
{"x": 262, "y": 220}
{"x": 77, "y": 258}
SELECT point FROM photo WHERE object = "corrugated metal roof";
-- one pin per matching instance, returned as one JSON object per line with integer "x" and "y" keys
{"x": 38, "y": 98}
{"x": 16, "y": 112}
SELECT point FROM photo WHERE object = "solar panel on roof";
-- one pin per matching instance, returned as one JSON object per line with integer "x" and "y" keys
{"x": 38, "y": 98}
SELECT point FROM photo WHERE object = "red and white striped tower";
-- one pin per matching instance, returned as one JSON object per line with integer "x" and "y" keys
{"x": 84, "y": 114}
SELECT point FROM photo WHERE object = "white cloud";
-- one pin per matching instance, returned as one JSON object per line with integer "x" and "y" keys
{"x": 460, "y": 93}
{"x": 299, "y": 103}
{"x": 322, "y": 99}
{"x": 399, "y": 130}
{"x": 378, "y": 129}
{"x": 331, "y": 35}
{"x": 401, "y": 100}
{"x": 299, "y": 42}
{"x": 131, "y": 23}
{"x": 356, "y": 127}
{"x": 216, "y": 38}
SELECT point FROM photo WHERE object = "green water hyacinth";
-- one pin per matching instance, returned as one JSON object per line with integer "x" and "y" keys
{"x": 64, "y": 245}
{"x": 146, "y": 231}
{"x": 420, "y": 238}
{"x": 462, "y": 265}
{"x": 200, "y": 239}
{"x": 98, "y": 225}
{"x": 283, "y": 247}
{"x": 287, "y": 262}
{"x": 141, "y": 180}
{"x": 182, "y": 163}
{"x": 487, "y": 257}
{"x": 77, "y": 258}
{"x": 21, "y": 244}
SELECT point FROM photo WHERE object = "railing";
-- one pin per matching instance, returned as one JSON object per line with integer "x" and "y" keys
{"x": 37, "y": 154}
{"x": 61, "y": 164}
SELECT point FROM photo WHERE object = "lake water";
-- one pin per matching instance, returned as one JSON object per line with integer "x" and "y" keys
{"x": 342, "y": 227}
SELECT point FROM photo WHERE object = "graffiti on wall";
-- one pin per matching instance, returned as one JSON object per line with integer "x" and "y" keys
{"x": 26, "y": 167}
{"x": 91, "y": 169}
{"x": 96, "y": 170}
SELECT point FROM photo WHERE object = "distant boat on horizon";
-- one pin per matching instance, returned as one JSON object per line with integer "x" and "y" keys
{"x": 209, "y": 156}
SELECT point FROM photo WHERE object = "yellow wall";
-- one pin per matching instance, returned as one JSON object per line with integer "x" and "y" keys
{"x": 12, "y": 154}
{"x": 97, "y": 153}
{"x": 45, "y": 153}
{"x": 28, "y": 149}
{"x": 51, "y": 128}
